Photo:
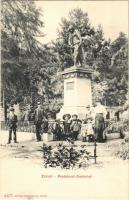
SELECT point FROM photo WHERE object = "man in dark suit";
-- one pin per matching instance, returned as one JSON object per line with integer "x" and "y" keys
{"x": 38, "y": 120}
{"x": 12, "y": 123}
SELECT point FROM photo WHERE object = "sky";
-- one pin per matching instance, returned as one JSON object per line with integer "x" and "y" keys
{"x": 112, "y": 15}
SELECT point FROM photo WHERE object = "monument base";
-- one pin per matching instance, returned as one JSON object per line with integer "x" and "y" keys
{"x": 77, "y": 91}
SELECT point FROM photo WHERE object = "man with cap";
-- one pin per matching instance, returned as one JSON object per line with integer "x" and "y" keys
{"x": 12, "y": 123}
{"x": 38, "y": 120}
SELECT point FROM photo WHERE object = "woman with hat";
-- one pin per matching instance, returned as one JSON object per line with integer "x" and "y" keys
{"x": 75, "y": 127}
{"x": 66, "y": 124}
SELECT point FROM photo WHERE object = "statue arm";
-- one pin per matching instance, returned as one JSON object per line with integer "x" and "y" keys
{"x": 79, "y": 36}
{"x": 69, "y": 40}
{"x": 88, "y": 38}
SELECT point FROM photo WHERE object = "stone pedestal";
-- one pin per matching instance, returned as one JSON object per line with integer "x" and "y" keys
{"x": 77, "y": 91}
{"x": 2, "y": 114}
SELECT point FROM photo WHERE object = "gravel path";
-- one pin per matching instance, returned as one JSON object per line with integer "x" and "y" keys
{"x": 22, "y": 173}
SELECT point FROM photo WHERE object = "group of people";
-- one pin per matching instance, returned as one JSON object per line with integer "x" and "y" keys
{"x": 89, "y": 129}
{"x": 74, "y": 128}
{"x": 67, "y": 128}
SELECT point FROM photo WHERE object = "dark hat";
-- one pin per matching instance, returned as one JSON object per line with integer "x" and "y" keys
{"x": 75, "y": 115}
{"x": 57, "y": 120}
{"x": 11, "y": 109}
{"x": 68, "y": 115}
{"x": 79, "y": 120}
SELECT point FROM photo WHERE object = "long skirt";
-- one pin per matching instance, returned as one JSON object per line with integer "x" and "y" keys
{"x": 99, "y": 128}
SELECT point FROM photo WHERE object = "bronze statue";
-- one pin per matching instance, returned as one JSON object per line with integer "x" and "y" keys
{"x": 75, "y": 41}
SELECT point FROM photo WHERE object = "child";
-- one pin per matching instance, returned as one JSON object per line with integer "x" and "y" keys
{"x": 89, "y": 130}
{"x": 57, "y": 130}
{"x": 66, "y": 124}
{"x": 83, "y": 131}
{"x": 75, "y": 127}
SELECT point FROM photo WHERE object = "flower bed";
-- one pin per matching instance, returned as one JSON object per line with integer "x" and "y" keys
{"x": 66, "y": 157}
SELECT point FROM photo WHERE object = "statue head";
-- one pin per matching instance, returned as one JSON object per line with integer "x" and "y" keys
{"x": 71, "y": 29}
{"x": 39, "y": 104}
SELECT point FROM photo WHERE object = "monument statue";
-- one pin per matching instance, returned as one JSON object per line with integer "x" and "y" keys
{"x": 77, "y": 78}
{"x": 76, "y": 41}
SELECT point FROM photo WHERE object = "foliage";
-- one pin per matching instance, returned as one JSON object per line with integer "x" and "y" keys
{"x": 79, "y": 20}
{"x": 31, "y": 70}
{"x": 123, "y": 151}
{"x": 126, "y": 124}
{"x": 106, "y": 58}
{"x": 115, "y": 127}
{"x": 20, "y": 26}
{"x": 117, "y": 77}
{"x": 65, "y": 157}
{"x": 28, "y": 68}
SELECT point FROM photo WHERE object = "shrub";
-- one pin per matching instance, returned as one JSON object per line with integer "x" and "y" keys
{"x": 65, "y": 156}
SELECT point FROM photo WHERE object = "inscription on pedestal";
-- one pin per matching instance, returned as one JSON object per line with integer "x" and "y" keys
{"x": 70, "y": 85}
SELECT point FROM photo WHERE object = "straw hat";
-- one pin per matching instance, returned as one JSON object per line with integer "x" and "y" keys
{"x": 68, "y": 115}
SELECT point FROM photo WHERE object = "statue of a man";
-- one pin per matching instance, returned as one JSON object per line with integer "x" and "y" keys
{"x": 75, "y": 41}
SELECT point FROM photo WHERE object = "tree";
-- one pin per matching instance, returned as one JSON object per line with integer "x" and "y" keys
{"x": 105, "y": 58}
{"x": 79, "y": 20}
{"x": 96, "y": 53}
{"x": 45, "y": 80}
{"x": 20, "y": 26}
{"x": 117, "y": 78}
{"x": 28, "y": 68}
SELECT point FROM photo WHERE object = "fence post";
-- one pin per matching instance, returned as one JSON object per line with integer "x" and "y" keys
{"x": 95, "y": 151}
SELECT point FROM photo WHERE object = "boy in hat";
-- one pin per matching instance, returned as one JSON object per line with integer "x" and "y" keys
{"x": 75, "y": 127}
{"x": 12, "y": 123}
